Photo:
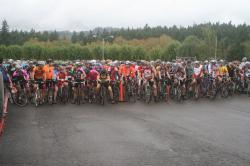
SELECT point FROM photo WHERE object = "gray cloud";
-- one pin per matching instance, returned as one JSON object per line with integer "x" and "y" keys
{"x": 87, "y": 14}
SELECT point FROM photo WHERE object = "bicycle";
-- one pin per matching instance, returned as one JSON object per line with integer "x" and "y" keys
{"x": 103, "y": 93}
{"x": 63, "y": 93}
{"x": 20, "y": 97}
{"x": 130, "y": 91}
{"x": 115, "y": 89}
{"x": 50, "y": 91}
{"x": 148, "y": 91}
{"x": 38, "y": 97}
{"x": 176, "y": 90}
{"x": 79, "y": 91}
{"x": 162, "y": 90}
{"x": 212, "y": 88}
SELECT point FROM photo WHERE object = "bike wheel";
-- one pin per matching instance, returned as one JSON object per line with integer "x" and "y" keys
{"x": 197, "y": 93}
{"x": 178, "y": 95}
{"x": 20, "y": 99}
{"x": 133, "y": 95}
{"x": 64, "y": 95}
{"x": 116, "y": 94}
{"x": 148, "y": 94}
{"x": 50, "y": 96}
{"x": 102, "y": 95}
{"x": 213, "y": 93}
{"x": 78, "y": 96}
{"x": 224, "y": 92}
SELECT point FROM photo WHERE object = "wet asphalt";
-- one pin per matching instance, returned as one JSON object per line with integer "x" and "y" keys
{"x": 202, "y": 133}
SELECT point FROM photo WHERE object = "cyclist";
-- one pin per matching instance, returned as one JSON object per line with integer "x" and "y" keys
{"x": 104, "y": 79}
{"x": 7, "y": 86}
{"x": 61, "y": 77}
{"x": 148, "y": 75}
{"x": 50, "y": 82}
{"x": 79, "y": 78}
{"x": 21, "y": 75}
{"x": 222, "y": 70}
{"x": 38, "y": 74}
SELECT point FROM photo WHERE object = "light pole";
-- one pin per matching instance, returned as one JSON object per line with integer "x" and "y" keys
{"x": 102, "y": 48}
{"x": 103, "y": 42}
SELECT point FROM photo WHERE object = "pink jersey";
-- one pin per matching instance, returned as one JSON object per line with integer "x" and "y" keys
{"x": 23, "y": 73}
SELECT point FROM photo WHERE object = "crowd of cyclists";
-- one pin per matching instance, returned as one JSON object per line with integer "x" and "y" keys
{"x": 93, "y": 81}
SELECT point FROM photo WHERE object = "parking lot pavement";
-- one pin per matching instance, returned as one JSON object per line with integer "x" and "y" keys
{"x": 192, "y": 133}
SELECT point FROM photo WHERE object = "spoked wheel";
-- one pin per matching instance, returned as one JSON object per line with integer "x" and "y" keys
{"x": 197, "y": 93}
{"x": 102, "y": 95}
{"x": 178, "y": 95}
{"x": 148, "y": 94}
{"x": 116, "y": 94}
{"x": 79, "y": 96}
{"x": 224, "y": 91}
{"x": 38, "y": 98}
{"x": 64, "y": 95}
{"x": 133, "y": 95}
{"x": 213, "y": 93}
{"x": 50, "y": 97}
{"x": 20, "y": 98}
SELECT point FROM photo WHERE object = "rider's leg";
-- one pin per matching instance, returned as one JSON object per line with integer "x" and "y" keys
{"x": 6, "y": 97}
{"x": 55, "y": 93}
{"x": 111, "y": 93}
{"x": 82, "y": 93}
{"x": 98, "y": 86}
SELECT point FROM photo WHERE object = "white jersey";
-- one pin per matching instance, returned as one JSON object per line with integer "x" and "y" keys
{"x": 197, "y": 70}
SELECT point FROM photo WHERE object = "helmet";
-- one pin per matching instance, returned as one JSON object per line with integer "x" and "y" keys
{"x": 40, "y": 63}
{"x": 49, "y": 60}
{"x": 213, "y": 61}
{"x": 10, "y": 60}
{"x": 244, "y": 59}
{"x": 158, "y": 61}
{"x": 127, "y": 63}
{"x": 18, "y": 66}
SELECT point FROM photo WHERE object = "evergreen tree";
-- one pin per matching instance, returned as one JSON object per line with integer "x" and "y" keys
{"x": 4, "y": 33}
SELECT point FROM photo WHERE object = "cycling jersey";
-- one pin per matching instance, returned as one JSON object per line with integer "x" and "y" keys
{"x": 127, "y": 71}
{"x": 189, "y": 71}
{"x": 197, "y": 71}
{"x": 61, "y": 75}
{"x": 38, "y": 73}
{"x": 20, "y": 75}
{"x": 93, "y": 75}
{"x": 162, "y": 72}
{"x": 49, "y": 71}
{"x": 104, "y": 74}
{"x": 223, "y": 70}
{"x": 147, "y": 73}
{"x": 114, "y": 74}
{"x": 78, "y": 74}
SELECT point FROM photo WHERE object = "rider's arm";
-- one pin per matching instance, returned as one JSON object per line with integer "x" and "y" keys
{"x": 44, "y": 76}
{"x": 98, "y": 77}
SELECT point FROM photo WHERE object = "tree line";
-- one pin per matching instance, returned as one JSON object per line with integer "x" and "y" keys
{"x": 203, "y": 41}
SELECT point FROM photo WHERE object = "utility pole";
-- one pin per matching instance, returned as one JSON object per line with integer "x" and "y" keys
{"x": 103, "y": 43}
{"x": 103, "y": 49}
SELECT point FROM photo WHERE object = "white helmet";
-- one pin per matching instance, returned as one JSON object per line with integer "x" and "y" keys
{"x": 244, "y": 59}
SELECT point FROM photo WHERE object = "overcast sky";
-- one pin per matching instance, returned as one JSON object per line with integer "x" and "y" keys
{"x": 88, "y": 14}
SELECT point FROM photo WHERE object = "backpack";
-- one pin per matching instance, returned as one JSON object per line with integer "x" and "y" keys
{"x": 4, "y": 73}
